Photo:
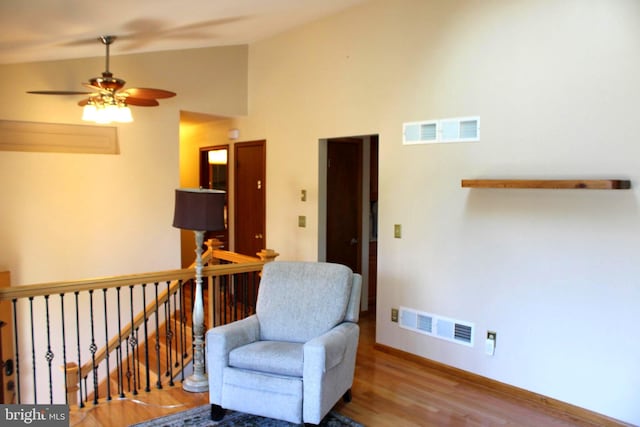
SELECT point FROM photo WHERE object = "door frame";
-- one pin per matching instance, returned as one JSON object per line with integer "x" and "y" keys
{"x": 365, "y": 220}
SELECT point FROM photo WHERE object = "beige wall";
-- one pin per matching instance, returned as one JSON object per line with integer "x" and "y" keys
{"x": 73, "y": 216}
{"x": 556, "y": 86}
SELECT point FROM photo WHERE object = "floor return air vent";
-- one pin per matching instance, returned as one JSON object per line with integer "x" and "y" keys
{"x": 437, "y": 326}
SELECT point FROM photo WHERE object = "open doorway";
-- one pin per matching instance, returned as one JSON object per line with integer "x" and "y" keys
{"x": 348, "y": 207}
{"x": 214, "y": 175}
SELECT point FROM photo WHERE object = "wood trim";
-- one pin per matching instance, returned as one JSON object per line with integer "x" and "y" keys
{"x": 233, "y": 256}
{"x": 587, "y": 184}
{"x": 120, "y": 281}
{"x": 505, "y": 391}
{"x": 57, "y": 138}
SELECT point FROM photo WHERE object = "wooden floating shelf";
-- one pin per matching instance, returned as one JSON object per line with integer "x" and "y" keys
{"x": 586, "y": 184}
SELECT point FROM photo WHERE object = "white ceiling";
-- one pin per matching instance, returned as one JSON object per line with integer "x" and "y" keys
{"x": 42, "y": 30}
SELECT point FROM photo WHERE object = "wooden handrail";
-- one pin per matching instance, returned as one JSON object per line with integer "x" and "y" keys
{"x": 232, "y": 256}
{"x": 54, "y": 288}
{"x": 35, "y": 290}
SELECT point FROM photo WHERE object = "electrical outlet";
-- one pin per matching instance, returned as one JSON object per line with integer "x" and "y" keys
{"x": 302, "y": 221}
{"x": 394, "y": 315}
{"x": 397, "y": 231}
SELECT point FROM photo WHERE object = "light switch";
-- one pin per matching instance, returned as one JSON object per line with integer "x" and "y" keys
{"x": 303, "y": 195}
{"x": 397, "y": 231}
{"x": 490, "y": 343}
{"x": 302, "y": 221}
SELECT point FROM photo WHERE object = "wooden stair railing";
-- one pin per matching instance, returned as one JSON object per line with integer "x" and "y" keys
{"x": 223, "y": 264}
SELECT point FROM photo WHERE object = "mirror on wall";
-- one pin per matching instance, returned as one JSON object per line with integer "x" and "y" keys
{"x": 214, "y": 174}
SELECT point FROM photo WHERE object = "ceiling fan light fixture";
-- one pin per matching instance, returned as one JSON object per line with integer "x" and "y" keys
{"x": 124, "y": 115}
{"x": 105, "y": 110}
{"x": 89, "y": 113}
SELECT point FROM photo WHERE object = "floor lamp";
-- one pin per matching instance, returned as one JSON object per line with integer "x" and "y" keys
{"x": 199, "y": 210}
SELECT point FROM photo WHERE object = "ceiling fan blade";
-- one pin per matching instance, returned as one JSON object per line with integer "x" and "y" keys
{"x": 141, "y": 102}
{"x": 57, "y": 92}
{"x": 148, "y": 93}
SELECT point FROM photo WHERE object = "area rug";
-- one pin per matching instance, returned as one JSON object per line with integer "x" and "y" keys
{"x": 201, "y": 417}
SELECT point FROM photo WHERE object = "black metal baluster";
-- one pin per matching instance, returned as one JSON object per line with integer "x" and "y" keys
{"x": 137, "y": 357}
{"x": 175, "y": 327}
{"x": 119, "y": 349}
{"x": 146, "y": 338}
{"x": 169, "y": 335}
{"x": 33, "y": 353}
{"x": 234, "y": 299}
{"x": 183, "y": 318}
{"x": 49, "y": 355}
{"x": 128, "y": 359}
{"x": 92, "y": 349}
{"x": 220, "y": 293}
{"x": 245, "y": 287}
{"x": 132, "y": 342}
{"x": 225, "y": 300}
{"x": 183, "y": 330}
{"x": 157, "y": 346}
{"x": 256, "y": 284}
{"x": 81, "y": 404}
{"x": 15, "y": 335}
{"x": 106, "y": 340}
{"x": 212, "y": 294}
{"x": 64, "y": 351}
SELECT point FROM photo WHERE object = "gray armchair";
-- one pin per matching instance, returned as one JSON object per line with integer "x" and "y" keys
{"x": 295, "y": 357}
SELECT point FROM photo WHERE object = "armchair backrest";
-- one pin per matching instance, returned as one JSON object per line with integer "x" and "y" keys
{"x": 298, "y": 301}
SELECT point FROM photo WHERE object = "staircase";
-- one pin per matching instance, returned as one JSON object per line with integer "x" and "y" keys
{"x": 67, "y": 345}
{"x": 173, "y": 351}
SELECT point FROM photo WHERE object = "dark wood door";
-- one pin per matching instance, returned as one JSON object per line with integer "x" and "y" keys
{"x": 250, "y": 201}
{"x": 344, "y": 202}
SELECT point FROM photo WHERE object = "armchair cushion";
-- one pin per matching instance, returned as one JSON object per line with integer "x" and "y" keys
{"x": 289, "y": 291}
{"x": 275, "y": 357}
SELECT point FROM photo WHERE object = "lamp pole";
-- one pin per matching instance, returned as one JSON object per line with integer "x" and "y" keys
{"x": 198, "y": 381}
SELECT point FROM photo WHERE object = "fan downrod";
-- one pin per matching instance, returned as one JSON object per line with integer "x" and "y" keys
{"x": 106, "y": 41}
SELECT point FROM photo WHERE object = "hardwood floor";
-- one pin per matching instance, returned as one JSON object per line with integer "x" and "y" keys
{"x": 388, "y": 391}
{"x": 392, "y": 391}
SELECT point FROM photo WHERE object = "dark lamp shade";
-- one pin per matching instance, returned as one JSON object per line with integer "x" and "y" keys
{"x": 199, "y": 209}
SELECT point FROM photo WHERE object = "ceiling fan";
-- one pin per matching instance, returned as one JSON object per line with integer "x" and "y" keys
{"x": 108, "y": 101}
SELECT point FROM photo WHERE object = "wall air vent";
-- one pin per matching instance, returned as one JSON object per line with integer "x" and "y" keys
{"x": 437, "y": 326}
{"x": 461, "y": 129}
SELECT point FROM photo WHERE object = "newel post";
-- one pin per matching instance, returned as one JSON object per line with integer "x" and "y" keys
{"x": 267, "y": 255}
{"x": 214, "y": 245}
{"x": 73, "y": 380}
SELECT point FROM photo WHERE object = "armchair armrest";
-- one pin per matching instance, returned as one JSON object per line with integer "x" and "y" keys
{"x": 328, "y": 350}
{"x": 219, "y": 342}
{"x": 329, "y": 363}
